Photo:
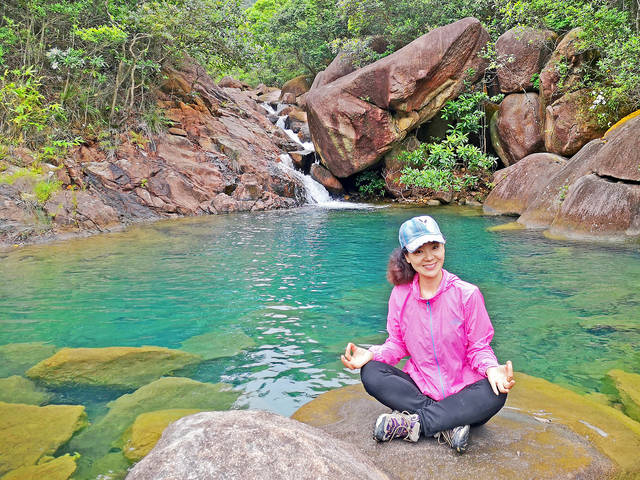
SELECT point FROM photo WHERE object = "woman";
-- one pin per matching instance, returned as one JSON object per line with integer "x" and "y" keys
{"x": 452, "y": 379}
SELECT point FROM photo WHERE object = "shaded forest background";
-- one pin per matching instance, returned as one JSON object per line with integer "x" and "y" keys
{"x": 79, "y": 71}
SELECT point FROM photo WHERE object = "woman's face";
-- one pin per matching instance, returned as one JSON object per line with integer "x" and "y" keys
{"x": 428, "y": 259}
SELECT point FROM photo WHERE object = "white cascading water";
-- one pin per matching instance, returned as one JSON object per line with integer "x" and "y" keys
{"x": 315, "y": 192}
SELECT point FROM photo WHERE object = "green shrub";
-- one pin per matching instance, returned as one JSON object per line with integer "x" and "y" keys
{"x": 45, "y": 189}
{"x": 370, "y": 184}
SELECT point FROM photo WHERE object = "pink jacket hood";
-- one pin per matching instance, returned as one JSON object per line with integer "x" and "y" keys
{"x": 447, "y": 337}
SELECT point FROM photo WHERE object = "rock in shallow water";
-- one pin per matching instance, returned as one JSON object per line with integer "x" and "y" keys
{"x": 212, "y": 345}
{"x": 16, "y": 389}
{"x": 250, "y": 444}
{"x": 17, "y": 358}
{"x": 121, "y": 367}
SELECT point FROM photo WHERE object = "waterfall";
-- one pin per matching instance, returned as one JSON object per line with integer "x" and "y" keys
{"x": 316, "y": 194}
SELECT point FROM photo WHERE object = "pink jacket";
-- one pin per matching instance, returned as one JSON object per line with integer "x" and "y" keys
{"x": 447, "y": 337}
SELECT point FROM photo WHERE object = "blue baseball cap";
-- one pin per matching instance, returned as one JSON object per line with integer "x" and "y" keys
{"x": 417, "y": 231}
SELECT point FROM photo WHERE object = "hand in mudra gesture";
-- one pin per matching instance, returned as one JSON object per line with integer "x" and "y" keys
{"x": 501, "y": 378}
{"x": 355, "y": 356}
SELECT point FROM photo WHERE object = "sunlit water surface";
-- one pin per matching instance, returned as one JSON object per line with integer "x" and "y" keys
{"x": 302, "y": 283}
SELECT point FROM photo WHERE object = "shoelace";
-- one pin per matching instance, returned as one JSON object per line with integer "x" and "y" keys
{"x": 446, "y": 436}
{"x": 399, "y": 427}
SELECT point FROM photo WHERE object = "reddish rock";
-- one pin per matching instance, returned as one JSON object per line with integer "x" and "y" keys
{"x": 599, "y": 208}
{"x": 563, "y": 71}
{"x": 230, "y": 82}
{"x": 340, "y": 66}
{"x": 569, "y": 124}
{"x": 296, "y": 86}
{"x": 356, "y": 119}
{"x": 73, "y": 209}
{"x": 326, "y": 179}
{"x": 620, "y": 155}
{"x": 544, "y": 207}
{"x": 289, "y": 98}
{"x": 177, "y": 131}
{"x": 518, "y": 185}
{"x": 522, "y": 53}
{"x": 519, "y": 127}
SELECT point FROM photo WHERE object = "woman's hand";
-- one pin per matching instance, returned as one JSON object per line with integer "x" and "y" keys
{"x": 355, "y": 356}
{"x": 501, "y": 378}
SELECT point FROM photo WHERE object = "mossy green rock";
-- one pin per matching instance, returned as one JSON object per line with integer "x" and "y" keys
{"x": 213, "y": 345}
{"x": 17, "y": 358}
{"x": 28, "y": 432}
{"x": 628, "y": 390}
{"x": 141, "y": 437}
{"x": 165, "y": 393}
{"x": 60, "y": 468}
{"x": 119, "y": 367}
{"x": 18, "y": 389}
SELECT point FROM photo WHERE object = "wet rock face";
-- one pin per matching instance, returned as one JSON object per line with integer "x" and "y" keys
{"x": 538, "y": 435}
{"x": 519, "y": 127}
{"x": 220, "y": 139}
{"x": 250, "y": 444}
{"x": 522, "y": 53}
{"x": 355, "y": 119}
{"x": 595, "y": 195}
{"x": 324, "y": 177}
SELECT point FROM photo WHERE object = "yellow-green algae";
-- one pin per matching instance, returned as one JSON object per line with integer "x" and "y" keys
{"x": 165, "y": 393}
{"x": 627, "y": 386}
{"x": 622, "y": 441}
{"x": 17, "y": 358}
{"x": 17, "y": 389}
{"x": 29, "y": 432}
{"x": 506, "y": 227}
{"x": 60, "y": 468}
{"x": 120, "y": 367}
{"x": 113, "y": 466}
{"x": 141, "y": 437}
{"x": 212, "y": 345}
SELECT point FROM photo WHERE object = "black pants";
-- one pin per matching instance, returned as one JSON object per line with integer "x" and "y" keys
{"x": 473, "y": 405}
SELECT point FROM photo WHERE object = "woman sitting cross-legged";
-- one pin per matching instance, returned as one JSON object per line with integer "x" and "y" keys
{"x": 452, "y": 379}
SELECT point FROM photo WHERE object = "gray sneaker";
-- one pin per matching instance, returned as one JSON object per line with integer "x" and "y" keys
{"x": 397, "y": 425}
{"x": 457, "y": 438}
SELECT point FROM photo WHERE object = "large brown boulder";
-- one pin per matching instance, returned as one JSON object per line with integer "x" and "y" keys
{"x": 519, "y": 127}
{"x": 563, "y": 71}
{"x": 569, "y": 124}
{"x": 324, "y": 177}
{"x": 355, "y": 119}
{"x": 340, "y": 66}
{"x": 522, "y": 53}
{"x": 544, "y": 207}
{"x": 251, "y": 444}
{"x": 620, "y": 155}
{"x": 296, "y": 86}
{"x": 599, "y": 208}
{"x": 518, "y": 185}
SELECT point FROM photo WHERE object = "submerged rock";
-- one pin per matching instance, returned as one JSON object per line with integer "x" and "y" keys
{"x": 214, "y": 345}
{"x": 120, "y": 367}
{"x": 251, "y": 444}
{"x": 544, "y": 432}
{"x": 627, "y": 387}
{"x": 18, "y": 389}
{"x": 165, "y": 393}
{"x": 60, "y": 468}
{"x": 17, "y": 358}
{"x": 30, "y": 432}
{"x": 141, "y": 437}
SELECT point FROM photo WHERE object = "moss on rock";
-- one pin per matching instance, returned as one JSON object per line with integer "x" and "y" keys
{"x": 627, "y": 387}
{"x": 120, "y": 367}
{"x": 165, "y": 393}
{"x": 60, "y": 468}
{"x": 141, "y": 437}
{"x": 16, "y": 389}
{"x": 30, "y": 432}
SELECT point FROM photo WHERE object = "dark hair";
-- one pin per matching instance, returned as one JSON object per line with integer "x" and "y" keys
{"x": 399, "y": 271}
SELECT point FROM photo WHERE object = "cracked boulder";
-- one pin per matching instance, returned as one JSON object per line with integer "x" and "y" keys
{"x": 357, "y": 118}
{"x": 595, "y": 195}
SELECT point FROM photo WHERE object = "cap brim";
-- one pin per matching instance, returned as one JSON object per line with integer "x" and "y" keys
{"x": 413, "y": 245}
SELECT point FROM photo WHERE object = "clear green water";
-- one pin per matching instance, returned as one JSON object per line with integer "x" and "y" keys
{"x": 302, "y": 283}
